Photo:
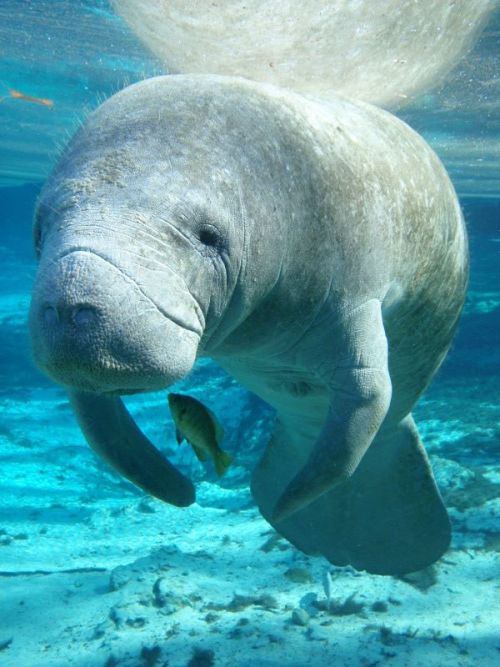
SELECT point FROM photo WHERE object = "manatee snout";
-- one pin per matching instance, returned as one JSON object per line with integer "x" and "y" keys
{"x": 94, "y": 328}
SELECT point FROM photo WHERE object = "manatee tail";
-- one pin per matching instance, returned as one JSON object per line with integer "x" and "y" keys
{"x": 222, "y": 462}
{"x": 388, "y": 518}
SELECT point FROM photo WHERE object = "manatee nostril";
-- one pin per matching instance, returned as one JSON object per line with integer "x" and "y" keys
{"x": 84, "y": 315}
{"x": 80, "y": 316}
{"x": 50, "y": 315}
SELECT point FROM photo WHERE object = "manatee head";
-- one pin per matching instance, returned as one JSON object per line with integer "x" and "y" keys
{"x": 139, "y": 235}
{"x": 163, "y": 228}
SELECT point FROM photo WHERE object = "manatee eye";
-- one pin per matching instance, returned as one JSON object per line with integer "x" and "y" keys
{"x": 210, "y": 236}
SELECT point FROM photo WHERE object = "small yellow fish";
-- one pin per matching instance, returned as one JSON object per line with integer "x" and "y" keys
{"x": 199, "y": 426}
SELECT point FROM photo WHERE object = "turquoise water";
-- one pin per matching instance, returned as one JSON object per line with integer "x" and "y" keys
{"x": 81, "y": 550}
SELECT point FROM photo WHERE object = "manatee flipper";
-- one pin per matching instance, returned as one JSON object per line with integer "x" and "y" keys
{"x": 388, "y": 518}
{"x": 360, "y": 394}
{"x": 114, "y": 436}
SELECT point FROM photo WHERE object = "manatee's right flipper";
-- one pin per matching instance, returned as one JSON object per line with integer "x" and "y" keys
{"x": 113, "y": 435}
{"x": 388, "y": 518}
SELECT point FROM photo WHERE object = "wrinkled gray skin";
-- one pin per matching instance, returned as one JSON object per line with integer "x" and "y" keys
{"x": 317, "y": 255}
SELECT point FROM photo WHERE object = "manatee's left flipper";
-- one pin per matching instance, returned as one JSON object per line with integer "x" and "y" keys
{"x": 360, "y": 394}
{"x": 113, "y": 434}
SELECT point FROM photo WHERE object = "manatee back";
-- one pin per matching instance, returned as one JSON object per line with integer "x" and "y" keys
{"x": 403, "y": 237}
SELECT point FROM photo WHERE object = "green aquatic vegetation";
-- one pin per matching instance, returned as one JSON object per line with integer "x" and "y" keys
{"x": 150, "y": 656}
{"x": 478, "y": 491}
{"x": 202, "y": 658}
{"x": 349, "y": 606}
{"x": 389, "y": 637}
{"x": 241, "y": 601}
{"x": 337, "y": 607}
{"x": 298, "y": 575}
{"x": 211, "y": 617}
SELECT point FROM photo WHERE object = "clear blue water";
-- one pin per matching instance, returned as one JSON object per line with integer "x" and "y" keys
{"x": 76, "y": 54}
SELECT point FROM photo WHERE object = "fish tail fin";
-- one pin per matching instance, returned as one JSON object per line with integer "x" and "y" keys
{"x": 222, "y": 462}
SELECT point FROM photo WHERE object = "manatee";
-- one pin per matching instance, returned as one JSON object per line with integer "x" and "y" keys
{"x": 318, "y": 254}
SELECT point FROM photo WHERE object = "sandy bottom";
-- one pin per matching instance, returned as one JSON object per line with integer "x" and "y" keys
{"x": 95, "y": 574}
